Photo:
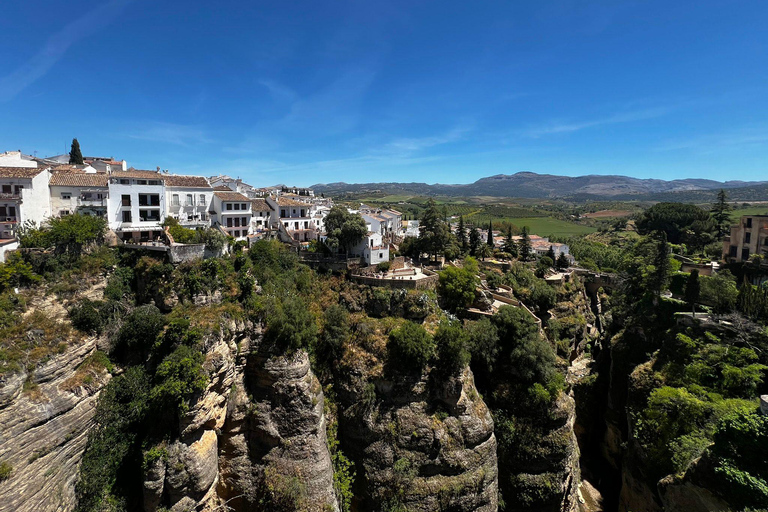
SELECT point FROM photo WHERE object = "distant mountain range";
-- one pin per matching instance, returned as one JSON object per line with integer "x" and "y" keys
{"x": 533, "y": 185}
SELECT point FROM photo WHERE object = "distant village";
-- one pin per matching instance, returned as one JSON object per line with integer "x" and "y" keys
{"x": 136, "y": 204}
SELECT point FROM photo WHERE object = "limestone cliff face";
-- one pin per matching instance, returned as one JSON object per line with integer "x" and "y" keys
{"x": 45, "y": 414}
{"x": 426, "y": 443}
{"x": 253, "y": 440}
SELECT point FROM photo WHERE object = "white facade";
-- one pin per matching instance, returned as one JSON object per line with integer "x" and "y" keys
{"x": 16, "y": 159}
{"x": 232, "y": 211}
{"x": 78, "y": 192}
{"x": 189, "y": 199}
{"x": 296, "y": 217}
{"x": 24, "y": 196}
{"x": 136, "y": 204}
{"x": 372, "y": 249}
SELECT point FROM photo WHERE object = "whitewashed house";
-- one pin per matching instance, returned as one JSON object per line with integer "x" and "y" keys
{"x": 295, "y": 216}
{"x": 78, "y": 191}
{"x": 23, "y": 197}
{"x": 261, "y": 215}
{"x": 371, "y": 249}
{"x": 232, "y": 211}
{"x": 188, "y": 199}
{"x": 136, "y": 204}
{"x": 16, "y": 159}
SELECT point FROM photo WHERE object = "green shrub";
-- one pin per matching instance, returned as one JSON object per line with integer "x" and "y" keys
{"x": 410, "y": 347}
{"x": 139, "y": 331}
{"x": 456, "y": 286}
{"x": 86, "y": 316}
{"x": 119, "y": 284}
{"x": 6, "y": 470}
{"x": 290, "y": 325}
{"x": 178, "y": 377}
{"x": 452, "y": 354}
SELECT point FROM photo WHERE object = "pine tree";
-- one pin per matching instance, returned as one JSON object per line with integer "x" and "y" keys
{"x": 474, "y": 241}
{"x": 510, "y": 246}
{"x": 490, "y": 234}
{"x": 660, "y": 276}
{"x": 692, "y": 290}
{"x": 720, "y": 213}
{"x": 75, "y": 156}
{"x": 524, "y": 245}
{"x": 461, "y": 236}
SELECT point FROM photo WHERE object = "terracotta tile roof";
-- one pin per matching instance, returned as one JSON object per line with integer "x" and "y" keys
{"x": 138, "y": 174}
{"x": 176, "y": 180}
{"x": 284, "y": 201}
{"x": 223, "y": 188}
{"x": 230, "y": 196}
{"x": 79, "y": 179}
{"x": 19, "y": 172}
{"x": 259, "y": 205}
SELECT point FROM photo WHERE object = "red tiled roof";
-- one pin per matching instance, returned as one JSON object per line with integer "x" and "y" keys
{"x": 230, "y": 196}
{"x": 259, "y": 205}
{"x": 139, "y": 174}
{"x": 176, "y": 180}
{"x": 284, "y": 201}
{"x": 19, "y": 172}
{"x": 79, "y": 179}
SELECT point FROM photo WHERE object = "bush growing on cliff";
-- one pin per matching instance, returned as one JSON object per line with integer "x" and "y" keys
{"x": 452, "y": 354}
{"x": 178, "y": 378}
{"x": 457, "y": 285}
{"x": 483, "y": 342}
{"x": 86, "y": 316}
{"x": 335, "y": 332}
{"x": 290, "y": 325}
{"x": 410, "y": 347}
{"x": 139, "y": 332}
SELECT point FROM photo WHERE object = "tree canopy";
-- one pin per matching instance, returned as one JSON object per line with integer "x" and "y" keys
{"x": 75, "y": 155}
{"x": 345, "y": 230}
{"x": 683, "y": 223}
{"x": 434, "y": 235}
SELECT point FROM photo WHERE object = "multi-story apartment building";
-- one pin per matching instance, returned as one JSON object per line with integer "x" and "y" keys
{"x": 262, "y": 214}
{"x": 748, "y": 237}
{"x": 75, "y": 190}
{"x": 189, "y": 199}
{"x": 136, "y": 204}
{"x": 296, "y": 217}
{"x": 232, "y": 211}
{"x": 17, "y": 159}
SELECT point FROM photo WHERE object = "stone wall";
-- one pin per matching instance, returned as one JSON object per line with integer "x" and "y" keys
{"x": 179, "y": 253}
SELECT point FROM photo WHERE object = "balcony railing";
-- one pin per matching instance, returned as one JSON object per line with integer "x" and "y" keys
{"x": 8, "y": 195}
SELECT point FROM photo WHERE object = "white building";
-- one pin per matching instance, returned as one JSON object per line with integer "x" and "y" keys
{"x": 188, "y": 199}
{"x": 136, "y": 204}
{"x": 371, "y": 249}
{"x": 296, "y": 217}
{"x": 232, "y": 211}
{"x": 24, "y": 197}
{"x": 16, "y": 159}
{"x": 261, "y": 215}
{"x": 78, "y": 191}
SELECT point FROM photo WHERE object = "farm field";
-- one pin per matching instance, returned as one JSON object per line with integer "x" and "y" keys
{"x": 542, "y": 226}
{"x": 604, "y": 214}
{"x": 752, "y": 210}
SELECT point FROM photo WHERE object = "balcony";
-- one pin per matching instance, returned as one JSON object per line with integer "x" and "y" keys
{"x": 8, "y": 196}
{"x": 91, "y": 201}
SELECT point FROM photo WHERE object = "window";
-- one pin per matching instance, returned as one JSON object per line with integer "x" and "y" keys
{"x": 203, "y": 216}
{"x": 201, "y": 199}
{"x": 237, "y": 206}
{"x": 381, "y": 255}
{"x": 154, "y": 182}
{"x": 244, "y": 206}
{"x": 175, "y": 200}
{"x": 141, "y": 182}
{"x": 237, "y": 222}
{"x": 18, "y": 189}
{"x": 302, "y": 212}
{"x": 149, "y": 199}
{"x": 747, "y": 237}
{"x": 283, "y": 214}
{"x": 124, "y": 182}
{"x": 3, "y": 212}
{"x": 237, "y": 234}
{"x": 127, "y": 216}
{"x": 149, "y": 215}
{"x": 229, "y": 206}
{"x": 244, "y": 221}
{"x": 126, "y": 200}
{"x": 190, "y": 202}
{"x": 64, "y": 212}
{"x": 749, "y": 222}
{"x": 745, "y": 254}
{"x": 229, "y": 222}
{"x": 11, "y": 211}
{"x": 66, "y": 195}
{"x": 6, "y": 189}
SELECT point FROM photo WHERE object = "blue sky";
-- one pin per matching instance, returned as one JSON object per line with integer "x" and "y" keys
{"x": 359, "y": 91}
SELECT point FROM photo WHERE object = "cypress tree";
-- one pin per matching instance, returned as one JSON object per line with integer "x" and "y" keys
{"x": 692, "y": 290}
{"x": 461, "y": 236}
{"x": 720, "y": 213}
{"x": 75, "y": 156}
{"x": 660, "y": 275}
{"x": 562, "y": 261}
{"x": 551, "y": 253}
{"x": 524, "y": 246}
{"x": 474, "y": 241}
{"x": 490, "y": 234}
{"x": 510, "y": 246}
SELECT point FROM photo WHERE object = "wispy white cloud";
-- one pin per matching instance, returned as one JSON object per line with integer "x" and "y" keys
{"x": 407, "y": 146}
{"x": 170, "y": 133}
{"x": 56, "y": 46}
{"x": 743, "y": 138}
{"x": 574, "y": 126}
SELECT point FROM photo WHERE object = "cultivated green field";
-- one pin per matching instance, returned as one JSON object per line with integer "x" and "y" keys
{"x": 752, "y": 210}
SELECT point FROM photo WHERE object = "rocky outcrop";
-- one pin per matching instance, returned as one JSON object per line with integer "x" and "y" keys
{"x": 273, "y": 448}
{"x": 427, "y": 443}
{"x": 45, "y": 415}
